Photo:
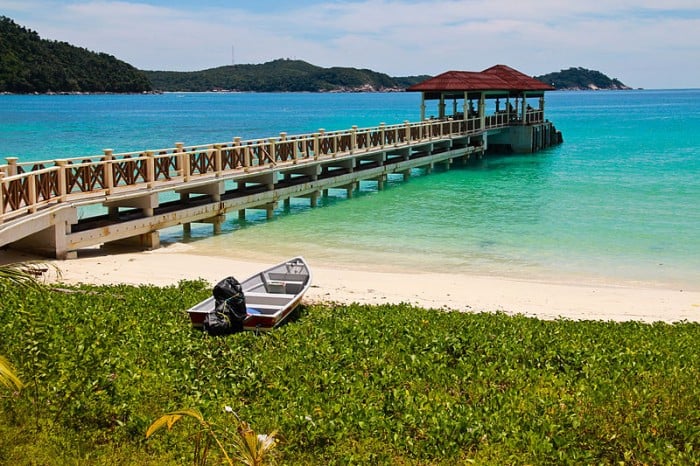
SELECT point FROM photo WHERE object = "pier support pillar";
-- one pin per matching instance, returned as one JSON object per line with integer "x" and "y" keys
{"x": 146, "y": 203}
{"x": 217, "y": 222}
{"x": 215, "y": 190}
{"x": 113, "y": 213}
{"x": 241, "y": 215}
{"x": 187, "y": 229}
{"x": 287, "y": 203}
{"x": 350, "y": 189}
{"x": 52, "y": 241}
{"x": 267, "y": 179}
{"x": 148, "y": 241}
{"x": 406, "y": 174}
{"x": 270, "y": 210}
{"x": 314, "y": 198}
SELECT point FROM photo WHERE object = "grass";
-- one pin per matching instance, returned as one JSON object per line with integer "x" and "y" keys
{"x": 342, "y": 384}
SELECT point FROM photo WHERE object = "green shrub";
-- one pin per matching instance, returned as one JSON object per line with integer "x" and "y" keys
{"x": 344, "y": 384}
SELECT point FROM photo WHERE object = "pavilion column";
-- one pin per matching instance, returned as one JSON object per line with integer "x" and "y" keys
{"x": 465, "y": 107}
{"x": 454, "y": 107}
{"x": 422, "y": 106}
{"x": 482, "y": 110}
{"x": 542, "y": 108}
{"x": 523, "y": 105}
{"x": 442, "y": 105}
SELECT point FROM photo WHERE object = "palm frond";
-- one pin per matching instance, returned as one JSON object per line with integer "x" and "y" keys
{"x": 8, "y": 376}
{"x": 169, "y": 419}
{"x": 21, "y": 274}
{"x": 200, "y": 451}
{"x": 252, "y": 448}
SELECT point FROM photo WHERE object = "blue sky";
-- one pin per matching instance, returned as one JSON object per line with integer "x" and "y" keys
{"x": 644, "y": 43}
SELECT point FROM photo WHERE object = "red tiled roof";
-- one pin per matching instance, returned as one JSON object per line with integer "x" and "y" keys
{"x": 499, "y": 77}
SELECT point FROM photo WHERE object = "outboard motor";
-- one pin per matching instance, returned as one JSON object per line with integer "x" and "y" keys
{"x": 229, "y": 308}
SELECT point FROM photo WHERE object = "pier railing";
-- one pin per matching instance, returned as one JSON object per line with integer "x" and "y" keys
{"x": 534, "y": 116}
{"x": 29, "y": 186}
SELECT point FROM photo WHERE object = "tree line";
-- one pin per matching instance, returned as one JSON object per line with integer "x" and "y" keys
{"x": 281, "y": 75}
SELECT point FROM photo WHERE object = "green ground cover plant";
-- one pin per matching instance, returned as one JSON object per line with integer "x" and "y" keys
{"x": 341, "y": 384}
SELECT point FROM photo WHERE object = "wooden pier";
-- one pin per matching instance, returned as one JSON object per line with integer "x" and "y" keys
{"x": 140, "y": 193}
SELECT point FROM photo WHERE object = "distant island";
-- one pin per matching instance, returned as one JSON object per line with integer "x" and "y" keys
{"x": 581, "y": 79}
{"x": 29, "y": 64}
{"x": 282, "y": 75}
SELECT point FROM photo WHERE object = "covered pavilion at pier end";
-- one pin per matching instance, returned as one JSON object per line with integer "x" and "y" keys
{"x": 507, "y": 104}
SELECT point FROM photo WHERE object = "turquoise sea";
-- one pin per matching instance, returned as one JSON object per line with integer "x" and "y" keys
{"x": 618, "y": 202}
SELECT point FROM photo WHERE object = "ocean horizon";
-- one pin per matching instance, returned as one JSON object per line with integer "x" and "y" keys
{"x": 616, "y": 203}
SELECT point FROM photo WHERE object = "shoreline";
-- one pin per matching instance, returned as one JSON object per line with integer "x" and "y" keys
{"x": 344, "y": 285}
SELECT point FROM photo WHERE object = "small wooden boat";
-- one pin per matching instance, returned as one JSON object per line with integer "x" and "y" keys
{"x": 270, "y": 296}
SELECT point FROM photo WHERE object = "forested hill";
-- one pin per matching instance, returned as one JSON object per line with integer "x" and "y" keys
{"x": 282, "y": 75}
{"x": 580, "y": 79}
{"x": 30, "y": 64}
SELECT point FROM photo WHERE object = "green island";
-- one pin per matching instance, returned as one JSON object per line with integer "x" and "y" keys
{"x": 578, "y": 79}
{"x": 338, "y": 384}
{"x": 282, "y": 75}
{"x": 29, "y": 64}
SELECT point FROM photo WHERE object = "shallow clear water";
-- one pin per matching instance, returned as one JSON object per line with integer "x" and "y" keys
{"x": 619, "y": 201}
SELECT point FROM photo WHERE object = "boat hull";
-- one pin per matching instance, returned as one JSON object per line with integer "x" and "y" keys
{"x": 271, "y": 296}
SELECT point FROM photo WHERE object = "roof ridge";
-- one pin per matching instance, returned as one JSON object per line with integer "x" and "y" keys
{"x": 498, "y": 77}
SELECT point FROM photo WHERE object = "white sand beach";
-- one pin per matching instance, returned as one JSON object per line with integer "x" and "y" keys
{"x": 547, "y": 300}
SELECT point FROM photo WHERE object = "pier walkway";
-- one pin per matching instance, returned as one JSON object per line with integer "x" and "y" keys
{"x": 56, "y": 208}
